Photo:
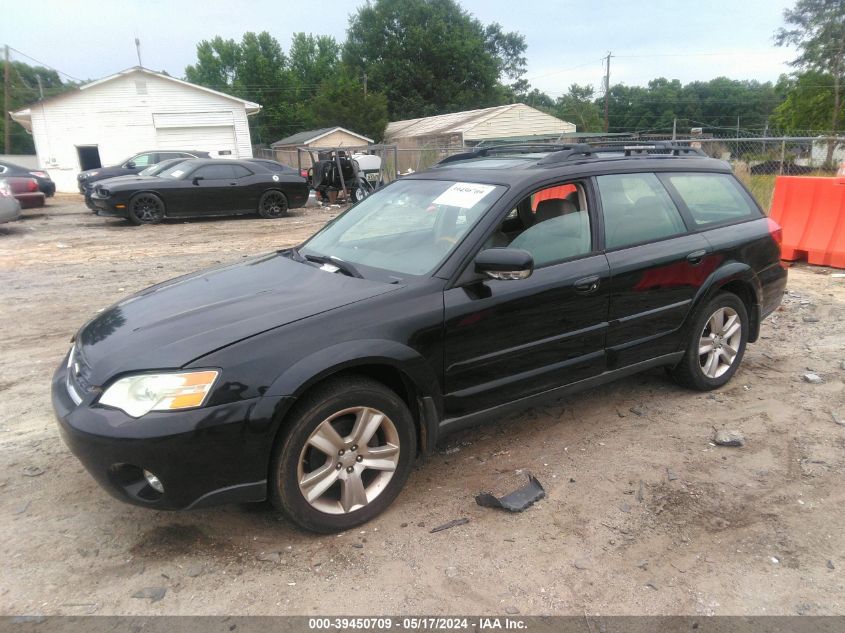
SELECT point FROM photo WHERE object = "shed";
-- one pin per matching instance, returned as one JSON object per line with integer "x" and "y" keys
{"x": 285, "y": 149}
{"x": 106, "y": 121}
{"x": 440, "y": 135}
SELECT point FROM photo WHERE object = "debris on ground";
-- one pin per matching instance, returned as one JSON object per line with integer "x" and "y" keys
{"x": 810, "y": 318}
{"x": 270, "y": 557}
{"x": 515, "y": 501}
{"x": 670, "y": 474}
{"x": 837, "y": 418}
{"x": 582, "y": 563}
{"x": 33, "y": 471}
{"x": 450, "y": 524}
{"x": 813, "y": 379}
{"x": 724, "y": 437}
{"x": 153, "y": 594}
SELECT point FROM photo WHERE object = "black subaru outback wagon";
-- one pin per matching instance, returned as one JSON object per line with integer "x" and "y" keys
{"x": 313, "y": 376}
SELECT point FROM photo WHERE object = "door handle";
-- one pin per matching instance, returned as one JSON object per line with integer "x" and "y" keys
{"x": 233, "y": 184}
{"x": 587, "y": 285}
{"x": 696, "y": 257}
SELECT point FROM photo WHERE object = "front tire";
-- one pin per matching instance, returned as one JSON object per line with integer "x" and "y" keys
{"x": 716, "y": 345}
{"x": 346, "y": 455}
{"x": 146, "y": 208}
{"x": 273, "y": 204}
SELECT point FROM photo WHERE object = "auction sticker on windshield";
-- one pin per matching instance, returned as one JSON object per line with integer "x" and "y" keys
{"x": 463, "y": 195}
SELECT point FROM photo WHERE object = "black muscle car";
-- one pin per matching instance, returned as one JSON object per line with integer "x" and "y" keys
{"x": 202, "y": 188}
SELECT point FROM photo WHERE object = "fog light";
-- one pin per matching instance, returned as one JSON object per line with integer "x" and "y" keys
{"x": 154, "y": 482}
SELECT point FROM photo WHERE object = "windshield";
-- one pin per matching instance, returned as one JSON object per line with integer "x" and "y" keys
{"x": 174, "y": 171}
{"x": 154, "y": 170}
{"x": 408, "y": 227}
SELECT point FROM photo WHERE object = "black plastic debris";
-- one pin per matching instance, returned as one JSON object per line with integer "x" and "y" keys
{"x": 450, "y": 524}
{"x": 515, "y": 501}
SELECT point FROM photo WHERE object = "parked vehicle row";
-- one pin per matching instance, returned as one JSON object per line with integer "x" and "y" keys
{"x": 313, "y": 376}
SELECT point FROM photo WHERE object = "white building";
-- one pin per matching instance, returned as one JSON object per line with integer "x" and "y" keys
{"x": 136, "y": 110}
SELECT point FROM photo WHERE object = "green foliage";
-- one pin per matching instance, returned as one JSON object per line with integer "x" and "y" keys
{"x": 577, "y": 106}
{"x": 23, "y": 90}
{"x": 713, "y": 104}
{"x": 341, "y": 101}
{"x": 817, "y": 29}
{"x": 807, "y": 105}
{"x": 431, "y": 57}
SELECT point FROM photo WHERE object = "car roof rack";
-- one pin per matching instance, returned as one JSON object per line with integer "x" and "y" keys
{"x": 521, "y": 148}
{"x": 558, "y": 153}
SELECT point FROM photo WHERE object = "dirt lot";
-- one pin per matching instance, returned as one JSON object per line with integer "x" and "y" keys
{"x": 643, "y": 515}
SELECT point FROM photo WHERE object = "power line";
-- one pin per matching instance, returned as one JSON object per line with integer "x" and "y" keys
{"x": 45, "y": 65}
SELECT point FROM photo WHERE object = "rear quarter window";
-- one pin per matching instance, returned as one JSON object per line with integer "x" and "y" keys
{"x": 713, "y": 198}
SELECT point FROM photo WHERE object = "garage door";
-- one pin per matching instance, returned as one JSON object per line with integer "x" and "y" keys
{"x": 218, "y": 140}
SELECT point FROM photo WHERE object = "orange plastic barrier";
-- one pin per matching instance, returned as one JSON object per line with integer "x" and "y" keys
{"x": 561, "y": 191}
{"x": 811, "y": 212}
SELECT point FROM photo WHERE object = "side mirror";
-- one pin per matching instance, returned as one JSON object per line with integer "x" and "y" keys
{"x": 197, "y": 179}
{"x": 130, "y": 165}
{"x": 504, "y": 263}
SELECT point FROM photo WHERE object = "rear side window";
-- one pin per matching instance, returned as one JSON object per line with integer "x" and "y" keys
{"x": 713, "y": 198}
{"x": 215, "y": 172}
{"x": 637, "y": 209}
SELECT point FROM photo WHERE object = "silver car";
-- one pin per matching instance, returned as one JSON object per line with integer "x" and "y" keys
{"x": 10, "y": 208}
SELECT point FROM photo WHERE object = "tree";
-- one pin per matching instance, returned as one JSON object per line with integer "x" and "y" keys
{"x": 431, "y": 57}
{"x": 26, "y": 85}
{"x": 807, "y": 105}
{"x": 817, "y": 29}
{"x": 577, "y": 106}
{"x": 341, "y": 101}
{"x": 255, "y": 69}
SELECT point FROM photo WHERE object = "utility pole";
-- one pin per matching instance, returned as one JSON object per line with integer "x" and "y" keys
{"x": 138, "y": 51}
{"x": 737, "y": 127}
{"x": 40, "y": 86}
{"x": 675, "y": 128}
{"x": 7, "y": 129}
{"x": 607, "y": 91}
{"x": 365, "y": 86}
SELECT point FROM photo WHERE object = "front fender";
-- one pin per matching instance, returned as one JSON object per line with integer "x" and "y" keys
{"x": 310, "y": 370}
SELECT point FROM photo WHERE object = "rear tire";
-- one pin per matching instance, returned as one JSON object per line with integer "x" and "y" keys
{"x": 146, "y": 208}
{"x": 273, "y": 204}
{"x": 345, "y": 456}
{"x": 716, "y": 344}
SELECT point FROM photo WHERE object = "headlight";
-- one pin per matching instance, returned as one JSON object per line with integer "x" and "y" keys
{"x": 91, "y": 174}
{"x": 137, "y": 395}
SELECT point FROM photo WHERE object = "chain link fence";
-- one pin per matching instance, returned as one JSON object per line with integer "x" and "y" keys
{"x": 756, "y": 161}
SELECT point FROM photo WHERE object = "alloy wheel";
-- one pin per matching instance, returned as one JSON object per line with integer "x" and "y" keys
{"x": 348, "y": 460}
{"x": 720, "y": 342}
{"x": 274, "y": 204}
{"x": 146, "y": 209}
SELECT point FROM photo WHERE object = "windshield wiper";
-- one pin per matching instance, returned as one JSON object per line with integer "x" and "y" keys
{"x": 338, "y": 263}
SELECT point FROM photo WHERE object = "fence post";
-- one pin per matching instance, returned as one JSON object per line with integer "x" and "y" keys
{"x": 782, "y": 154}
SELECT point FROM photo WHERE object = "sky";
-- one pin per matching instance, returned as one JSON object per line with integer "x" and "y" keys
{"x": 676, "y": 39}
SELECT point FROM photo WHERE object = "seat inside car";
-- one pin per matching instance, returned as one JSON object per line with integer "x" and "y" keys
{"x": 560, "y": 232}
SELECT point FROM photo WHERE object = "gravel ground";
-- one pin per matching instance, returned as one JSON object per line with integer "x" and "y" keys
{"x": 644, "y": 514}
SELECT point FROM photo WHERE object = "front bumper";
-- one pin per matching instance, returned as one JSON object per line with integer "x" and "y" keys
{"x": 106, "y": 206}
{"x": 203, "y": 457}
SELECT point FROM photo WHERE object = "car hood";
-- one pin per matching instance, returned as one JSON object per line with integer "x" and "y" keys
{"x": 171, "y": 324}
{"x": 105, "y": 172}
{"x": 128, "y": 179}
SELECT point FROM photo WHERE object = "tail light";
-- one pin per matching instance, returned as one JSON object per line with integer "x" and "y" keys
{"x": 303, "y": 173}
{"x": 775, "y": 231}
{"x": 32, "y": 185}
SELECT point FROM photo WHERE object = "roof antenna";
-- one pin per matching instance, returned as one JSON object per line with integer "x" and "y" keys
{"x": 138, "y": 50}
